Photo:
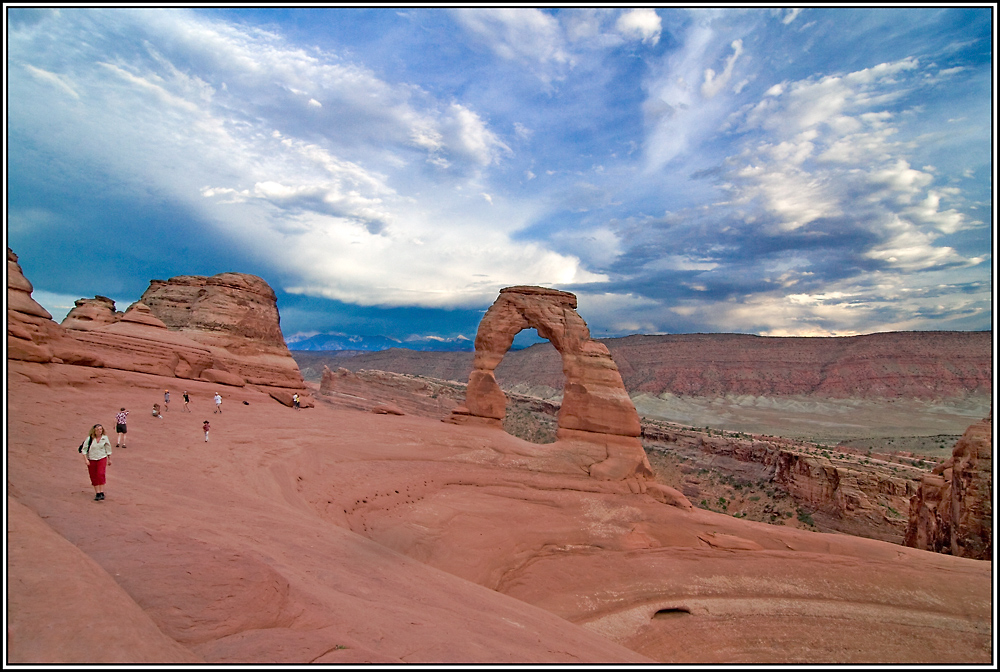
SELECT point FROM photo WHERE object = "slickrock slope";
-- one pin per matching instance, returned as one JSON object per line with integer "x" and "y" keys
{"x": 952, "y": 512}
{"x": 331, "y": 535}
{"x": 368, "y": 390}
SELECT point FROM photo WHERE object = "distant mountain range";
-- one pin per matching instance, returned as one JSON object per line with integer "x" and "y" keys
{"x": 333, "y": 342}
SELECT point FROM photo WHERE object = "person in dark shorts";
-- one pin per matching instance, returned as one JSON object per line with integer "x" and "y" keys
{"x": 186, "y": 400}
{"x": 120, "y": 427}
{"x": 295, "y": 402}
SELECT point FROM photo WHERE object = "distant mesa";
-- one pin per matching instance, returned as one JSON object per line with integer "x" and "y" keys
{"x": 952, "y": 511}
{"x": 221, "y": 329}
{"x": 595, "y": 409}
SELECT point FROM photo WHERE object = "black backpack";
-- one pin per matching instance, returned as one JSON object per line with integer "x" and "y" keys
{"x": 80, "y": 449}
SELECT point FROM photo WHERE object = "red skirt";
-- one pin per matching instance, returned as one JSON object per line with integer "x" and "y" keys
{"x": 98, "y": 471}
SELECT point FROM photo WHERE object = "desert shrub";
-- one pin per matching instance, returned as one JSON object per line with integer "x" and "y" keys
{"x": 805, "y": 517}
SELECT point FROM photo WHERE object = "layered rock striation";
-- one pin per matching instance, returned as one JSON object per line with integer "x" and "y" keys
{"x": 952, "y": 511}
{"x": 241, "y": 345}
{"x": 893, "y": 365}
{"x": 235, "y": 316}
{"x": 595, "y": 408}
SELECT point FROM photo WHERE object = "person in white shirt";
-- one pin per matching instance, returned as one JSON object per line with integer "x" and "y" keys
{"x": 97, "y": 452}
{"x": 218, "y": 403}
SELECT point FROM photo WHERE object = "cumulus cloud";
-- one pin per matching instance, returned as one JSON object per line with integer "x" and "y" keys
{"x": 821, "y": 194}
{"x": 298, "y": 157}
{"x": 640, "y": 24}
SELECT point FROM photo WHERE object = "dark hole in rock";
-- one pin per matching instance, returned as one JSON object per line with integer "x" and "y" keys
{"x": 672, "y": 612}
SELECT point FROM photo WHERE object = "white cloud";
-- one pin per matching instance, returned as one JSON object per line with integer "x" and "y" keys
{"x": 52, "y": 78}
{"x": 640, "y": 24}
{"x": 791, "y": 15}
{"x": 826, "y": 139}
{"x": 714, "y": 83}
{"x": 526, "y": 35}
{"x": 329, "y": 193}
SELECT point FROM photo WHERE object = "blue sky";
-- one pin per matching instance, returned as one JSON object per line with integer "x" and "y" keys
{"x": 388, "y": 171}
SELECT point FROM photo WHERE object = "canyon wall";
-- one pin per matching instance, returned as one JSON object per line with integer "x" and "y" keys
{"x": 918, "y": 365}
{"x": 952, "y": 512}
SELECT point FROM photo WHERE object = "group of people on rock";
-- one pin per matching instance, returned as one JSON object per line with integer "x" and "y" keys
{"x": 96, "y": 448}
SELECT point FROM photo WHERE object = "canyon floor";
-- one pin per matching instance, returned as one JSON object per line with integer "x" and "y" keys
{"x": 337, "y": 535}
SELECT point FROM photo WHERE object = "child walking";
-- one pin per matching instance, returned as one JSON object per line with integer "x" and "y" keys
{"x": 206, "y": 428}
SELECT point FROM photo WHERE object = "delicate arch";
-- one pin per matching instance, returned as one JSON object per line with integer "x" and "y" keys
{"x": 595, "y": 407}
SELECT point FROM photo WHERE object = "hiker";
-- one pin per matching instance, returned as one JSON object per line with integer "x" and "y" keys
{"x": 166, "y": 400}
{"x": 206, "y": 428}
{"x": 218, "y": 403}
{"x": 120, "y": 427}
{"x": 156, "y": 411}
{"x": 186, "y": 400}
{"x": 295, "y": 401}
{"x": 97, "y": 453}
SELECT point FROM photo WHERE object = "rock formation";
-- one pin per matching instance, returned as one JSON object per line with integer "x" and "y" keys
{"x": 595, "y": 409}
{"x": 90, "y": 314}
{"x": 242, "y": 345}
{"x": 952, "y": 511}
{"x": 234, "y": 315}
{"x": 29, "y": 325}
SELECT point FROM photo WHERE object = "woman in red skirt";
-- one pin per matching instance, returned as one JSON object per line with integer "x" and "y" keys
{"x": 97, "y": 452}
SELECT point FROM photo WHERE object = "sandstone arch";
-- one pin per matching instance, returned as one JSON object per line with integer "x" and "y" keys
{"x": 595, "y": 408}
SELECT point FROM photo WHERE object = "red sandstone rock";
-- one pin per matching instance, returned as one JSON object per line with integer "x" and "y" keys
{"x": 952, "y": 512}
{"x": 239, "y": 343}
{"x": 340, "y": 536}
{"x": 388, "y": 409}
{"x": 595, "y": 407}
{"x": 367, "y": 390}
{"x": 91, "y": 314}
{"x": 285, "y": 397}
{"x": 235, "y": 316}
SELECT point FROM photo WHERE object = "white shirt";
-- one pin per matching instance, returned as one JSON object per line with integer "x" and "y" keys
{"x": 97, "y": 450}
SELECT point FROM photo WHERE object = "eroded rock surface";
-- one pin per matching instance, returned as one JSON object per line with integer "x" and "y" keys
{"x": 595, "y": 409}
{"x": 952, "y": 511}
{"x": 241, "y": 345}
{"x": 236, "y": 316}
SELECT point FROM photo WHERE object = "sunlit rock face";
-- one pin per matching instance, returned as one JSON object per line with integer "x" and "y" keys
{"x": 595, "y": 409}
{"x": 32, "y": 335}
{"x": 234, "y": 315}
{"x": 224, "y": 329}
{"x": 952, "y": 511}
{"x": 227, "y": 310}
{"x": 90, "y": 314}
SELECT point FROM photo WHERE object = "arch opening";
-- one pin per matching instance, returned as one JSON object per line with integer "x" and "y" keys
{"x": 531, "y": 376}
